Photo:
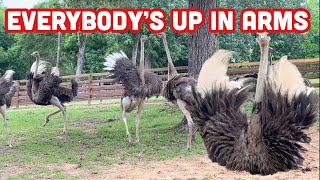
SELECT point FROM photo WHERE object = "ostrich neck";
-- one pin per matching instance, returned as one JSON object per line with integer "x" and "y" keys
{"x": 141, "y": 68}
{"x": 37, "y": 65}
{"x": 263, "y": 71}
{"x": 172, "y": 69}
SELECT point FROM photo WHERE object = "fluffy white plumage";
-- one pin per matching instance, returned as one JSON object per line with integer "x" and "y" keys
{"x": 111, "y": 60}
{"x": 281, "y": 77}
{"x": 213, "y": 74}
{"x": 55, "y": 71}
{"x": 42, "y": 68}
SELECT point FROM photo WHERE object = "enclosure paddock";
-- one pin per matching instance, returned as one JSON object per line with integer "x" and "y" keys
{"x": 98, "y": 86}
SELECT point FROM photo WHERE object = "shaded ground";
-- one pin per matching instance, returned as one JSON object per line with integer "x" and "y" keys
{"x": 197, "y": 167}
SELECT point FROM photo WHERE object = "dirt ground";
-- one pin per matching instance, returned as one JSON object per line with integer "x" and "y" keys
{"x": 181, "y": 169}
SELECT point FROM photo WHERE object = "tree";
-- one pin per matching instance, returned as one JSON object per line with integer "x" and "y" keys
{"x": 201, "y": 43}
{"x": 136, "y": 38}
{"x": 81, "y": 54}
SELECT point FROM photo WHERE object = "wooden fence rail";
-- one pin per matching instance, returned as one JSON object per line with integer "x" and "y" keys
{"x": 99, "y": 86}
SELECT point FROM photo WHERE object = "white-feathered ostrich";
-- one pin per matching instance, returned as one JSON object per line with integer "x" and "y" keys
{"x": 138, "y": 84}
{"x": 44, "y": 88}
{"x": 178, "y": 89}
{"x": 270, "y": 141}
{"x": 7, "y": 91}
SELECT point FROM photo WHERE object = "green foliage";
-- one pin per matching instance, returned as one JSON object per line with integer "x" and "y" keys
{"x": 292, "y": 44}
{"x": 311, "y": 40}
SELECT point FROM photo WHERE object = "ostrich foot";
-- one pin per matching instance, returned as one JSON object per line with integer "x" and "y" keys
{"x": 46, "y": 121}
{"x": 189, "y": 143}
{"x": 64, "y": 132}
{"x": 138, "y": 141}
{"x": 129, "y": 139}
{"x": 10, "y": 145}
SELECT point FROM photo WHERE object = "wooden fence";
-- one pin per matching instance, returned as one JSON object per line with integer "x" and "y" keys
{"x": 99, "y": 86}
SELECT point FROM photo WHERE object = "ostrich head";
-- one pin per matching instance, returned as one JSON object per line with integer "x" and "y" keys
{"x": 35, "y": 54}
{"x": 144, "y": 38}
{"x": 263, "y": 39}
{"x": 162, "y": 35}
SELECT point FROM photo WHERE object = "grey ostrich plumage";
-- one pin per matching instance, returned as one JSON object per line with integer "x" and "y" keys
{"x": 7, "y": 91}
{"x": 126, "y": 73}
{"x": 179, "y": 87}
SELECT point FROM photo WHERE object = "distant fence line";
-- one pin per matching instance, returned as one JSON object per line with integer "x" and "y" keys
{"x": 98, "y": 86}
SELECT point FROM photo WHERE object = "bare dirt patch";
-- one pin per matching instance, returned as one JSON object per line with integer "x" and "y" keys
{"x": 203, "y": 168}
{"x": 196, "y": 168}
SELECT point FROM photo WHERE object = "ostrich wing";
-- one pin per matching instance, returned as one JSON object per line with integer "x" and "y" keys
{"x": 125, "y": 72}
{"x": 153, "y": 84}
{"x": 42, "y": 68}
{"x": 270, "y": 142}
{"x": 66, "y": 94}
{"x": 5, "y": 87}
{"x": 179, "y": 87}
{"x": 10, "y": 94}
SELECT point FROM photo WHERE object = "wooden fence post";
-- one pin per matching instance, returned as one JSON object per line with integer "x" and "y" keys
{"x": 17, "y": 95}
{"x": 100, "y": 84}
{"x": 89, "y": 89}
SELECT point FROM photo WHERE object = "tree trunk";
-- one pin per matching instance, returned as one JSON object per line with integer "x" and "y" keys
{"x": 201, "y": 43}
{"x": 81, "y": 53}
{"x": 59, "y": 49}
{"x": 135, "y": 48}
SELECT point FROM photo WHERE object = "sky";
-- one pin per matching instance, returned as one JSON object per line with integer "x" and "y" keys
{"x": 19, "y": 3}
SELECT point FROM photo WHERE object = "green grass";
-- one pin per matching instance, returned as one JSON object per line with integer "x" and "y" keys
{"x": 91, "y": 141}
{"x": 316, "y": 81}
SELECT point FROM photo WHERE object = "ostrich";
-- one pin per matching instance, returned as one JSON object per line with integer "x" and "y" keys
{"x": 138, "y": 84}
{"x": 178, "y": 89}
{"x": 44, "y": 88}
{"x": 270, "y": 141}
{"x": 7, "y": 91}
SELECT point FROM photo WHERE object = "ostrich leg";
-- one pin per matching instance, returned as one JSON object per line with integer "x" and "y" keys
{"x": 126, "y": 125}
{"x": 55, "y": 101}
{"x": 182, "y": 106}
{"x": 125, "y": 102}
{"x": 48, "y": 116}
{"x": 3, "y": 113}
{"x": 47, "y": 119}
{"x": 140, "y": 108}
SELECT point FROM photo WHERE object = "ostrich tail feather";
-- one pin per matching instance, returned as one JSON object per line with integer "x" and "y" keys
{"x": 213, "y": 74}
{"x": 111, "y": 59}
{"x": 269, "y": 143}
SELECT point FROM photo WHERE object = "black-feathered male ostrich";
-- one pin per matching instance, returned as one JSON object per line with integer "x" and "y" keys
{"x": 270, "y": 141}
{"x": 44, "y": 88}
{"x": 7, "y": 91}
{"x": 178, "y": 89}
{"x": 138, "y": 84}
